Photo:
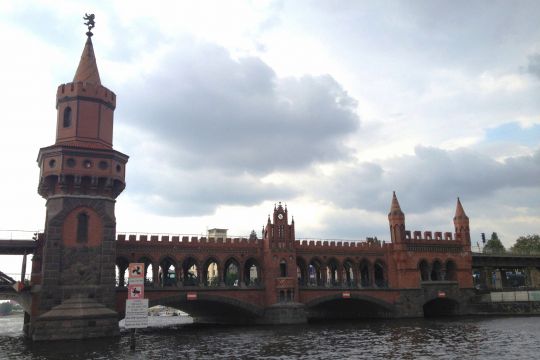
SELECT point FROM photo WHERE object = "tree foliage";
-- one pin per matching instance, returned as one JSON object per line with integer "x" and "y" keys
{"x": 494, "y": 245}
{"x": 527, "y": 245}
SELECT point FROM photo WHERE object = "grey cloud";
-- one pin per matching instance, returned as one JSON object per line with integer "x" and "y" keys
{"x": 237, "y": 115}
{"x": 430, "y": 178}
{"x": 534, "y": 65}
{"x": 194, "y": 193}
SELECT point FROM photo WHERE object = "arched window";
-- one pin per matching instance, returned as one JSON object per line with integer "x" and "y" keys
{"x": 67, "y": 117}
{"x": 283, "y": 268}
{"x": 423, "y": 266}
{"x": 82, "y": 228}
{"x": 436, "y": 271}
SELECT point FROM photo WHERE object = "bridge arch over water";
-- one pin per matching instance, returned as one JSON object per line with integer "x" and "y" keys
{"x": 356, "y": 306}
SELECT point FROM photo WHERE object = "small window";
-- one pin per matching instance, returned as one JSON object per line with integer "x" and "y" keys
{"x": 82, "y": 228}
{"x": 67, "y": 117}
{"x": 283, "y": 268}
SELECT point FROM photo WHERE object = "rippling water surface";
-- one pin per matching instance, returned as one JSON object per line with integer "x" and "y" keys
{"x": 464, "y": 338}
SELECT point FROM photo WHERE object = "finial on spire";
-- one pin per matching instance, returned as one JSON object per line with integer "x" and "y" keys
{"x": 90, "y": 23}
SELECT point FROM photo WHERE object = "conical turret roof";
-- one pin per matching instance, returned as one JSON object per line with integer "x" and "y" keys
{"x": 460, "y": 213}
{"x": 87, "y": 71}
{"x": 395, "y": 209}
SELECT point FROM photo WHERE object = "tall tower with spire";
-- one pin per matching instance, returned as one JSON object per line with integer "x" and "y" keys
{"x": 396, "y": 218}
{"x": 461, "y": 224}
{"x": 81, "y": 175}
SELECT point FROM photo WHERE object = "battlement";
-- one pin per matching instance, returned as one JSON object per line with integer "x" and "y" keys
{"x": 188, "y": 240}
{"x": 430, "y": 236}
{"x": 85, "y": 89}
{"x": 334, "y": 245}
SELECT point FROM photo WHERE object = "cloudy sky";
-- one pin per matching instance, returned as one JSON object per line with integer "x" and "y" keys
{"x": 226, "y": 108}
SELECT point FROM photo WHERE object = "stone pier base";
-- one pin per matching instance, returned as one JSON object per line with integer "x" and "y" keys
{"x": 76, "y": 318}
{"x": 286, "y": 313}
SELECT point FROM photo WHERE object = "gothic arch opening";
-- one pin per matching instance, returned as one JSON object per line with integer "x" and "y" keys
{"x": 231, "y": 273}
{"x": 301, "y": 271}
{"x": 332, "y": 272}
{"x": 315, "y": 273}
{"x": 348, "y": 273}
{"x": 211, "y": 273}
{"x": 451, "y": 270}
{"x": 423, "y": 266}
{"x": 379, "y": 273}
{"x": 252, "y": 273}
{"x": 365, "y": 277}
{"x": 436, "y": 271}
{"x": 191, "y": 272}
{"x": 167, "y": 272}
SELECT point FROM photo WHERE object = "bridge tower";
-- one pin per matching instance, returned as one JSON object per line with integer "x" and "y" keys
{"x": 280, "y": 281}
{"x": 396, "y": 218}
{"x": 80, "y": 177}
{"x": 461, "y": 224}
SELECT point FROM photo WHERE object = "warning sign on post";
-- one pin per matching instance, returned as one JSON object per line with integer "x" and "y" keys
{"x": 135, "y": 291}
{"x": 136, "y": 304}
{"x": 136, "y": 314}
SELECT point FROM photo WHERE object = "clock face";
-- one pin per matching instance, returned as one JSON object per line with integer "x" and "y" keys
{"x": 280, "y": 216}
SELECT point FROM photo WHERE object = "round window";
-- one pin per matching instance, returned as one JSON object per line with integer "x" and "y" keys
{"x": 103, "y": 165}
{"x": 70, "y": 162}
{"x": 87, "y": 164}
{"x": 52, "y": 163}
{"x": 118, "y": 168}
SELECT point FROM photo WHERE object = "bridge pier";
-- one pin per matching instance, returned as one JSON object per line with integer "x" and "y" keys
{"x": 285, "y": 314}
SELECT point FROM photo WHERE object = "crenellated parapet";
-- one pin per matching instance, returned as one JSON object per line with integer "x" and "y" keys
{"x": 182, "y": 240}
{"x": 417, "y": 236}
{"x": 85, "y": 91}
{"x": 326, "y": 245}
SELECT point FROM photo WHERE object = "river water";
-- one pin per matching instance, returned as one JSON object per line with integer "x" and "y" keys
{"x": 457, "y": 338}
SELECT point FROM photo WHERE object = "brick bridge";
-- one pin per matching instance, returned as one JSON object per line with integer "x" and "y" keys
{"x": 280, "y": 279}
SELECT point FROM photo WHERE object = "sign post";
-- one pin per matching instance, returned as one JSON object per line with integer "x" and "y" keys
{"x": 136, "y": 304}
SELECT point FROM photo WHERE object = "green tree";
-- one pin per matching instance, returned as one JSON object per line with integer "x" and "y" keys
{"x": 527, "y": 245}
{"x": 494, "y": 245}
{"x": 6, "y": 308}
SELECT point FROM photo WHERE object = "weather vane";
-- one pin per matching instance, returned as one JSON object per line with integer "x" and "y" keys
{"x": 89, "y": 22}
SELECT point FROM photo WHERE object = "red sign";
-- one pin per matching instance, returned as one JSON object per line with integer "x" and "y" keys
{"x": 192, "y": 296}
{"x": 346, "y": 295}
{"x": 135, "y": 291}
{"x": 441, "y": 294}
{"x": 136, "y": 270}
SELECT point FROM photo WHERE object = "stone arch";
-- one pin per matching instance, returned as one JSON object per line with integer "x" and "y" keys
{"x": 423, "y": 267}
{"x": 436, "y": 270}
{"x": 231, "y": 272}
{"x": 168, "y": 269}
{"x": 191, "y": 271}
{"x": 209, "y": 305}
{"x": 148, "y": 269}
{"x": 365, "y": 273}
{"x": 349, "y": 273}
{"x": 301, "y": 271}
{"x": 380, "y": 274}
{"x": 355, "y": 306}
{"x": 210, "y": 271}
{"x": 451, "y": 270}
{"x": 332, "y": 272}
{"x": 122, "y": 275}
{"x": 252, "y": 272}
{"x": 315, "y": 273}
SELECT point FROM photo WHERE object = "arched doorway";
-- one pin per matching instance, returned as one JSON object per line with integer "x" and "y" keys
{"x": 252, "y": 273}
{"x": 301, "y": 271}
{"x": 231, "y": 274}
{"x": 211, "y": 273}
{"x": 315, "y": 273}
{"x": 191, "y": 272}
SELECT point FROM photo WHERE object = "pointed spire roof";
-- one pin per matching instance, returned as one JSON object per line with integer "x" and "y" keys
{"x": 87, "y": 71}
{"x": 395, "y": 208}
{"x": 460, "y": 213}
